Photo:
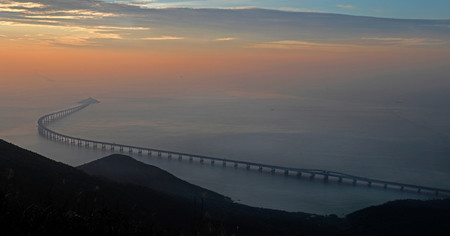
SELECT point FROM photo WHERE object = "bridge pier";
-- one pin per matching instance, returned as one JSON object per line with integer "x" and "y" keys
{"x": 159, "y": 154}
{"x": 191, "y": 158}
{"x": 140, "y": 152}
{"x": 201, "y": 160}
{"x": 260, "y": 169}
{"x": 224, "y": 163}
{"x": 149, "y": 153}
{"x": 369, "y": 183}
{"x": 212, "y": 162}
{"x": 180, "y": 157}
{"x": 354, "y": 181}
{"x": 311, "y": 177}
{"x": 340, "y": 180}
{"x": 130, "y": 150}
{"x": 325, "y": 178}
{"x": 247, "y": 167}
{"x": 235, "y": 165}
{"x": 169, "y": 156}
{"x": 272, "y": 171}
{"x": 299, "y": 174}
{"x": 385, "y": 186}
{"x": 121, "y": 148}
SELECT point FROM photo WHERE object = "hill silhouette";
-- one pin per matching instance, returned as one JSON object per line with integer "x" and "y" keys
{"x": 124, "y": 169}
{"x": 42, "y": 196}
{"x": 121, "y": 196}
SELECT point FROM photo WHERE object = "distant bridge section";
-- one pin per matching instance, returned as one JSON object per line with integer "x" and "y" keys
{"x": 324, "y": 175}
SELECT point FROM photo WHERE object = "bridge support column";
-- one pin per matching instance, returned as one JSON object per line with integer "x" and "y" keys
{"x": 130, "y": 150}
{"x": 340, "y": 180}
{"x": 224, "y": 163}
{"x": 180, "y": 157}
{"x": 272, "y": 171}
{"x": 201, "y": 160}
{"x": 385, "y": 186}
{"x": 312, "y": 176}
{"x": 191, "y": 158}
{"x": 149, "y": 153}
{"x": 235, "y": 165}
{"x": 325, "y": 178}
{"x": 169, "y": 156}
{"x": 260, "y": 169}
{"x": 286, "y": 172}
{"x": 121, "y": 148}
{"x": 140, "y": 152}
{"x": 299, "y": 174}
{"x": 354, "y": 181}
{"x": 369, "y": 184}
{"x": 247, "y": 167}
{"x": 159, "y": 154}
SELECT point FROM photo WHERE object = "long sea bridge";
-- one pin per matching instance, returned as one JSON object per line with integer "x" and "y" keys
{"x": 324, "y": 175}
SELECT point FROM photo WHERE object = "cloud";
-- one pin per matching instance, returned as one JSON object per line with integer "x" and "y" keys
{"x": 346, "y": 6}
{"x": 60, "y": 35}
{"x": 225, "y": 39}
{"x": 90, "y": 22}
{"x": 163, "y": 38}
{"x": 137, "y": 3}
{"x": 12, "y": 6}
{"x": 293, "y": 45}
{"x": 391, "y": 41}
{"x": 121, "y": 28}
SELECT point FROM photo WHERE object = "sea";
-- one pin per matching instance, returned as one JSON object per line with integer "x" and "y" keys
{"x": 389, "y": 141}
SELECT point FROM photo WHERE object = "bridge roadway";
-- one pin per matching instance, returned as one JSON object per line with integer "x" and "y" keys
{"x": 299, "y": 172}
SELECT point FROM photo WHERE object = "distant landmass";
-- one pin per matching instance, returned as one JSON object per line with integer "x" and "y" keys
{"x": 121, "y": 196}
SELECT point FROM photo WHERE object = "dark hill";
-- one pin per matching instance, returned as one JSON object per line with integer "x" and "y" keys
{"x": 403, "y": 217}
{"x": 39, "y": 196}
{"x": 124, "y": 169}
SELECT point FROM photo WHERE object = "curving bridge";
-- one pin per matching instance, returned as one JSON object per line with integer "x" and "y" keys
{"x": 325, "y": 175}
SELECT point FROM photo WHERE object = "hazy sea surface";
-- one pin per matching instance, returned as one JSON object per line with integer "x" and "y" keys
{"x": 393, "y": 141}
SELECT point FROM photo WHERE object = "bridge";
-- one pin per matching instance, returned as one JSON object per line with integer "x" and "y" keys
{"x": 325, "y": 175}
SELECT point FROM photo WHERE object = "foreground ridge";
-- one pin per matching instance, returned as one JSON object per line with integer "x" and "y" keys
{"x": 325, "y": 175}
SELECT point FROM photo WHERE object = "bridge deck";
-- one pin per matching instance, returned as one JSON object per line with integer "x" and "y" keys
{"x": 325, "y": 174}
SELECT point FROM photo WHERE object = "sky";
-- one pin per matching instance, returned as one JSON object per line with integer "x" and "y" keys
{"x": 407, "y": 9}
{"x": 280, "y": 48}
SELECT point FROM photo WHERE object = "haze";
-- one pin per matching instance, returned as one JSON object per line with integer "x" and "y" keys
{"x": 386, "y": 63}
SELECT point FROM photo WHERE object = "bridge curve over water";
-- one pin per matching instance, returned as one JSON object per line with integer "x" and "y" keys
{"x": 325, "y": 175}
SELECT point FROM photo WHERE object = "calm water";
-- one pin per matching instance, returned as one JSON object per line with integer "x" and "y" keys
{"x": 390, "y": 141}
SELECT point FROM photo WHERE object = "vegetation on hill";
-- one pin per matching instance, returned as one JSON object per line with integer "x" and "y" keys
{"x": 41, "y": 196}
{"x": 121, "y": 196}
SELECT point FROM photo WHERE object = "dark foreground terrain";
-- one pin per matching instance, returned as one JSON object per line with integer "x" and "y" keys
{"x": 118, "y": 195}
